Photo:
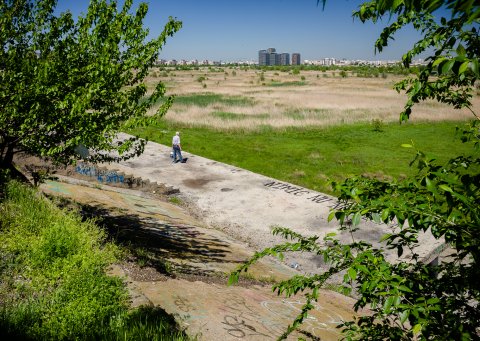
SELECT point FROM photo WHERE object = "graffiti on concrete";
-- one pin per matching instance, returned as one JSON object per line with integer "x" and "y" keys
{"x": 114, "y": 178}
{"x": 237, "y": 327}
{"x": 243, "y": 321}
{"x": 188, "y": 310}
{"x": 85, "y": 169}
{"x": 331, "y": 202}
{"x": 303, "y": 192}
{"x": 106, "y": 176}
{"x": 319, "y": 319}
{"x": 182, "y": 304}
{"x": 297, "y": 191}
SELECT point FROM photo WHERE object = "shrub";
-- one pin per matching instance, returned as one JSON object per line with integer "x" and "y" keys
{"x": 377, "y": 125}
{"x": 61, "y": 261}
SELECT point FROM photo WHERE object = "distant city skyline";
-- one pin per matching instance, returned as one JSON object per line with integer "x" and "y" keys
{"x": 228, "y": 32}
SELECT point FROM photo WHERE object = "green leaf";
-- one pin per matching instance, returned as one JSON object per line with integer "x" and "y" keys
{"x": 405, "y": 289}
{"x": 233, "y": 278}
{"x": 446, "y": 188}
{"x": 404, "y": 316}
{"x": 474, "y": 67}
{"x": 461, "y": 50}
{"x": 385, "y": 214}
{"x": 331, "y": 215}
{"x": 387, "y": 304}
{"x": 376, "y": 218}
{"x": 406, "y": 145}
{"x": 433, "y": 300}
{"x": 352, "y": 273}
{"x": 417, "y": 329}
{"x": 356, "y": 219}
{"x": 430, "y": 185}
{"x": 447, "y": 66}
{"x": 385, "y": 237}
{"x": 463, "y": 67}
{"x": 438, "y": 61}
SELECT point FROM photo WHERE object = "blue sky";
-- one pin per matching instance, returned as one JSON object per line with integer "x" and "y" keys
{"x": 235, "y": 30}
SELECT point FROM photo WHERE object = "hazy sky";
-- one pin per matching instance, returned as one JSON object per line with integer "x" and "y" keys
{"x": 235, "y": 30}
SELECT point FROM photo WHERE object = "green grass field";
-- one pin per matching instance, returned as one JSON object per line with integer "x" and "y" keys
{"x": 314, "y": 156}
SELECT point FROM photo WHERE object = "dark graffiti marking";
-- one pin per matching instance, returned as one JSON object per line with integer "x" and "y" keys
{"x": 312, "y": 196}
{"x": 338, "y": 206}
{"x": 182, "y": 304}
{"x": 299, "y": 191}
{"x": 320, "y": 198}
{"x": 241, "y": 320}
{"x": 189, "y": 311}
{"x": 237, "y": 327}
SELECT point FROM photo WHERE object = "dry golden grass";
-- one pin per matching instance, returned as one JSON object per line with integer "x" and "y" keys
{"x": 312, "y": 98}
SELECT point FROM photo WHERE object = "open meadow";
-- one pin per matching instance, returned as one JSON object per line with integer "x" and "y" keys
{"x": 231, "y": 98}
{"x": 306, "y": 127}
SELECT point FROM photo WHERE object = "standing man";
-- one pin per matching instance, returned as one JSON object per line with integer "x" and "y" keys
{"x": 177, "y": 148}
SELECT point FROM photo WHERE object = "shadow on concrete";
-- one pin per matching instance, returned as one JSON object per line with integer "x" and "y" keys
{"x": 165, "y": 247}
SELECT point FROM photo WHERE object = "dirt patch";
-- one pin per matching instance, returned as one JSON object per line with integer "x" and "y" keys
{"x": 142, "y": 274}
{"x": 149, "y": 274}
{"x": 196, "y": 183}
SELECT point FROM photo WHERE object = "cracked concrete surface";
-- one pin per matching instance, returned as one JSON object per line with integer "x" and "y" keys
{"x": 206, "y": 308}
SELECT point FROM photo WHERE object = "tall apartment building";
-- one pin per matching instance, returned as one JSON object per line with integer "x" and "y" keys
{"x": 284, "y": 59}
{"x": 262, "y": 58}
{"x": 296, "y": 59}
{"x": 271, "y": 57}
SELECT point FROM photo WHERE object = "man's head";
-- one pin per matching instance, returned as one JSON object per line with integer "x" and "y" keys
{"x": 177, "y": 133}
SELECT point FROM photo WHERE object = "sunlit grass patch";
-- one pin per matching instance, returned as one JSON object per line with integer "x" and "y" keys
{"x": 237, "y": 116}
{"x": 295, "y": 114}
{"x": 304, "y": 114}
{"x": 337, "y": 151}
{"x": 298, "y": 173}
{"x": 315, "y": 155}
{"x": 175, "y": 200}
{"x": 206, "y": 99}
{"x": 290, "y": 83}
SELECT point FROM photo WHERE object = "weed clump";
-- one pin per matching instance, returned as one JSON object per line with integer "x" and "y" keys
{"x": 377, "y": 125}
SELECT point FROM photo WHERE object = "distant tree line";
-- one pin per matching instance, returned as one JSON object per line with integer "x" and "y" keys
{"x": 359, "y": 70}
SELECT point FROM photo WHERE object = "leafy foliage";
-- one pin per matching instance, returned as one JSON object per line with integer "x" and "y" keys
{"x": 407, "y": 299}
{"x": 452, "y": 70}
{"x": 67, "y": 84}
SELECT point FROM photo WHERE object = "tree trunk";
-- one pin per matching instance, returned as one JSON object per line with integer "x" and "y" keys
{"x": 7, "y": 158}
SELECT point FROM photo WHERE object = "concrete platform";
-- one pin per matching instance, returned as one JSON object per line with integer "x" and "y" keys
{"x": 247, "y": 205}
{"x": 206, "y": 308}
